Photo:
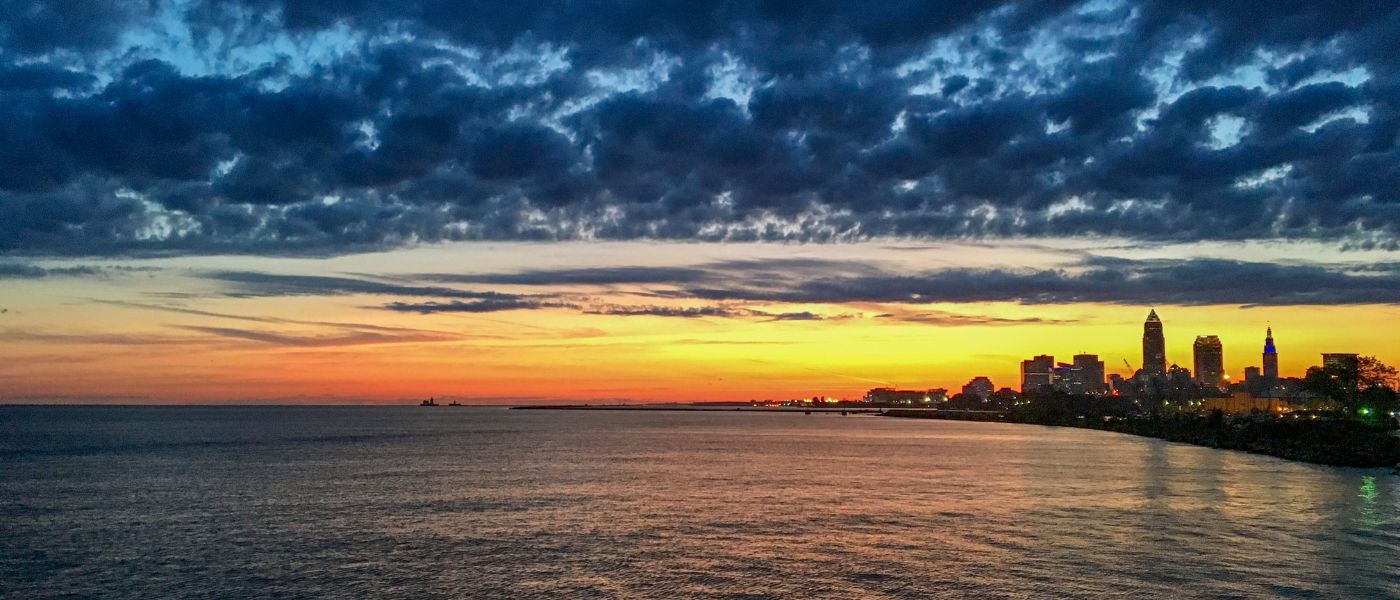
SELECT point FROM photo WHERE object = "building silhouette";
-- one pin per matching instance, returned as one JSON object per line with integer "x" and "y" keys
{"x": 980, "y": 388}
{"x": 1340, "y": 360}
{"x": 889, "y": 395}
{"x": 1178, "y": 382}
{"x": 1037, "y": 373}
{"x": 1345, "y": 367}
{"x": 1086, "y": 375}
{"x": 1270, "y": 356}
{"x": 1253, "y": 378}
{"x": 1210, "y": 361}
{"x": 1154, "y": 347}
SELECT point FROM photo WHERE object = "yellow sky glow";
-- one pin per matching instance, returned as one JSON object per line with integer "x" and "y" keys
{"x": 132, "y": 337}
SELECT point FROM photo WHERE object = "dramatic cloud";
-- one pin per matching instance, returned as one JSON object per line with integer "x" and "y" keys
{"x": 690, "y": 312}
{"x": 1185, "y": 282}
{"x": 254, "y": 284}
{"x": 1090, "y": 279}
{"x": 319, "y": 127}
{"x": 720, "y": 311}
{"x": 352, "y": 327}
{"x": 744, "y": 289}
{"x": 476, "y": 306}
{"x": 581, "y": 276}
{"x": 318, "y": 341}
{"x": 12, "y": 270}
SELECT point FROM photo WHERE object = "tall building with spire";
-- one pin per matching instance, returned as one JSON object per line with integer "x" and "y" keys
{"x": 1154, "y": 346}
{"x": 1270, "y": 356}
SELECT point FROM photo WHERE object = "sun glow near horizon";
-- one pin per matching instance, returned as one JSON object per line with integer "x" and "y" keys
{"x": 633, "y": 322}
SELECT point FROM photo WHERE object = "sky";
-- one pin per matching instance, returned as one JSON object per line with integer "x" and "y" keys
{"x": 331, "y": 201}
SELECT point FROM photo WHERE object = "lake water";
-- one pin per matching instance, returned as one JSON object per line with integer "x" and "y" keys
{"x": 408, "y": 502}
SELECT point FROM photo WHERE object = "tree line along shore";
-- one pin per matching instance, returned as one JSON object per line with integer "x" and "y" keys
{"x": 1327, "y": 440}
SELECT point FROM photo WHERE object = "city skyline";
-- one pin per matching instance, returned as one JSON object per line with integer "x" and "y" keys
{"x": 1086, "y": 375}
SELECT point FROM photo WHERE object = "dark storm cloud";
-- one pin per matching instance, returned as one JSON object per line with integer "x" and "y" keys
{"x": 717, "y": 311}
{"x": 797, "y": 316}
{"x": 1184, "y": 282}
{"x": 14, "y": 270}
{"x": 777, "y": 268}
{"x": 251, "y": 284}
{"x": 353, "y": 327}
{"x": 254, "y": 284}
{"x": 425, "y": 120}
{"x": 488, "y": 305}
{"x": 358, "y": 338}
{"x": 738, "y": 289}
{"x": 28, "y": 271}
{"x": 580, "y": 276}
{"x": 688, "y": 312}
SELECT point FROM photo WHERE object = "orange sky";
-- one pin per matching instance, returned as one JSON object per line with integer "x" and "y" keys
{"x": 169, "y": 335}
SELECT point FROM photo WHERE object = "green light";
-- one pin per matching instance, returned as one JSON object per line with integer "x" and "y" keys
{"x": 1368, "y": 489}
{"x": 1365, "y": 411}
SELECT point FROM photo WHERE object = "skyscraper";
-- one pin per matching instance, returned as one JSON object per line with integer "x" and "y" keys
{"x": 1210, "y": 361}
{"x": 1154, "y": 346}
{"x": 1270, "y": 356}
{"x": 1037, "y": 373}
{"x": 1087, "y": 375}
{"x": 1340, "y": 360}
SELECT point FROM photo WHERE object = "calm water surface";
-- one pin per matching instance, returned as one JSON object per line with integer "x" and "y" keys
{"x": 408, "y": 502}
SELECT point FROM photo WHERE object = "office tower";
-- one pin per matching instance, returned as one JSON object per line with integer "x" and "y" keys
{"x": 1036, "y": 373}
{"x": 1208, "y": 355}
{"x": 1340, "y": 360}
{"x": 1087, "y": 374}
{"x": 1154, "y": 347}
{"x": 1210, "y": 361}
{"x": 1345, "y": 368}
{"x": 1270, "y": 355}
{"x": 1062, "y": 377}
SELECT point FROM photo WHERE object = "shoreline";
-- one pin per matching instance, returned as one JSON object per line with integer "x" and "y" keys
{"x": 1327, "y": 443}
{"x": 683, "y": 408}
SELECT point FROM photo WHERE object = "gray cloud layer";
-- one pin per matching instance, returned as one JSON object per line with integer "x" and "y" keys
{"x": 423, "y": 120}
{"x": 733, "y": 289}
{"x": 19, "y": 270}
{"x": 1183, "y": 282}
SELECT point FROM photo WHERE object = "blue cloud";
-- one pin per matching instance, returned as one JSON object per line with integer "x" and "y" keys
{"x": 317, "y": 127}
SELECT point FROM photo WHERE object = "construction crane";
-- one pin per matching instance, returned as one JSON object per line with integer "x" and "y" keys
{"x": 1127, "y": 364}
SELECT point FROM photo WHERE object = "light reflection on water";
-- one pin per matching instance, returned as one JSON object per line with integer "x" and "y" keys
{"x": 448, "y": 502}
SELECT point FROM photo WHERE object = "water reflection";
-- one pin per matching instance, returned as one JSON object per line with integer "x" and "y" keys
{"x": 1367, "y": 516}
{"x": 491, "y": 503}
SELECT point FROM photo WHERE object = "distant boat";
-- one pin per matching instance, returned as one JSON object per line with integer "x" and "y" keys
{"x": 428, "y": 402}
{"x": 454, "y": 403}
